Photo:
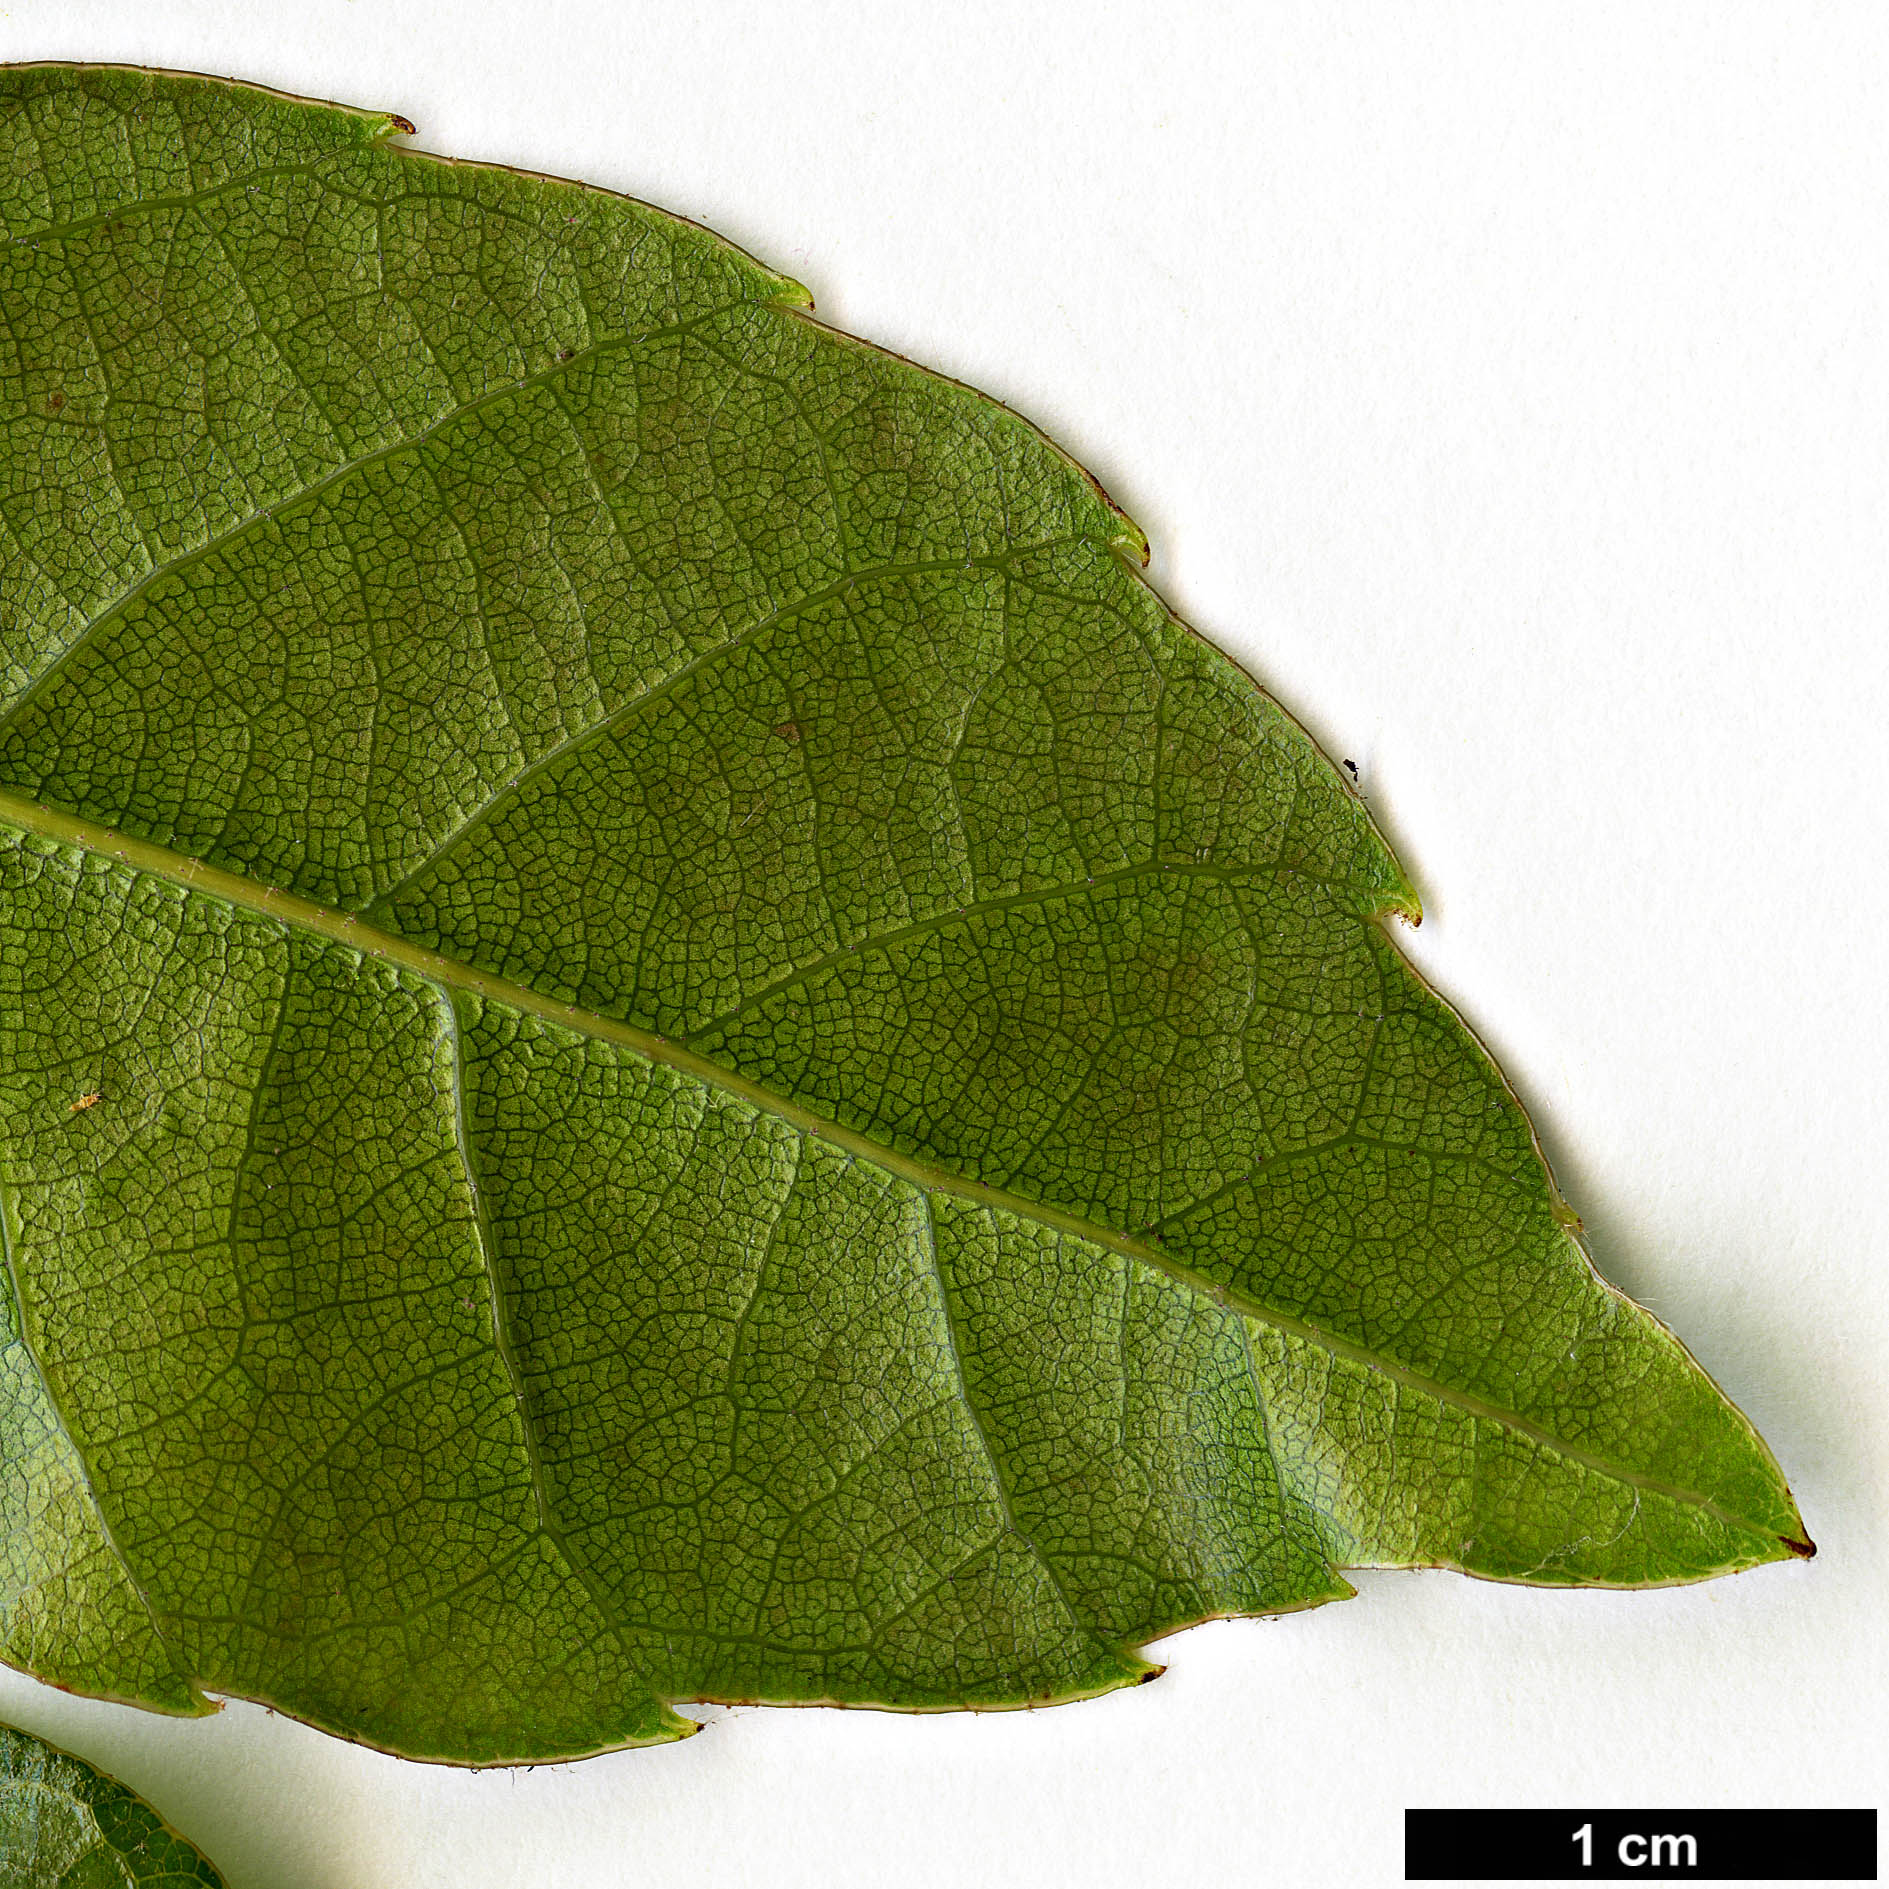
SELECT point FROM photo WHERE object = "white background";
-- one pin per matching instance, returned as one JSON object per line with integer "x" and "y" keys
{"x": 1505, "y": 385}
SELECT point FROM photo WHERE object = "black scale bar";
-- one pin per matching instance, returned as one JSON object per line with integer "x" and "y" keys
{"x": 1640, "y": 1845}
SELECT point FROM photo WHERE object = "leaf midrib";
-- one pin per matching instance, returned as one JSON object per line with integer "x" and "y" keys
{"x": 345, "y": 928}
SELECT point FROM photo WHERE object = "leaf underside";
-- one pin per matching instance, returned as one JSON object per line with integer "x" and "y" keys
{"x": 65, "y": 1826}
{"x": 661, "y": 1037}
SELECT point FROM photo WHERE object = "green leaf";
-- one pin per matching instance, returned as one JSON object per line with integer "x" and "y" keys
{"x": 65, "y": 1826}
{"x": 663, "y": 1037}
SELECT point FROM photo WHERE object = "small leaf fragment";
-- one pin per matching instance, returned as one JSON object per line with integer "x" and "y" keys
{"x": 64, "y": 1825}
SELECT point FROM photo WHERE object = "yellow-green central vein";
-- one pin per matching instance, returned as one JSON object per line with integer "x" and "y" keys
{"x": 345, "y": 928}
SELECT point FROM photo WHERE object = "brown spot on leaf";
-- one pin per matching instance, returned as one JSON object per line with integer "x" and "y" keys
{"x": 787, "y": 730}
